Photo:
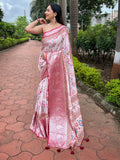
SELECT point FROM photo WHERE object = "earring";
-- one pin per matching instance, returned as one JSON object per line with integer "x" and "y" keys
{"x": 55, "y": 19}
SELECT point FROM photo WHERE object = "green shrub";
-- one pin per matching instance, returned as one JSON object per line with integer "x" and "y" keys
{"x": 97, "y": 41}
{"x": 106, "y": 38}
{"x": 90, "y": 76}
{"x": 9, "y": 42}
{"x": 6, "y": 29}
{"x": 113, "y": 91}
{"x": 36, "y": 37}
{"x": 21, "y": 40}
{"x": 86, "y": 40}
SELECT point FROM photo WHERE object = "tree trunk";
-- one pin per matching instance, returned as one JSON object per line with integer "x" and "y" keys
{"x": 63, "y": 4}
{"x": 116, "y": 64}
{"x": 73, "y": 25}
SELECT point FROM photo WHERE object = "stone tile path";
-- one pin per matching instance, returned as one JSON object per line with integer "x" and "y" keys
{"x": 19, "y": 79}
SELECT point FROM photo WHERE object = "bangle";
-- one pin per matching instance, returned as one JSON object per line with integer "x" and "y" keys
{"x": 38, "y": 20}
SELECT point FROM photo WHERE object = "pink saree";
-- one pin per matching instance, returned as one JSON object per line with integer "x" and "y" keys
{"x": 57, "y": 111}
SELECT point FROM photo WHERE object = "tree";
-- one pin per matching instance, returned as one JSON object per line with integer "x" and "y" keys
{"x": 116, "y": 64}
{"x": 38, "y": 8}
{"x": 1, "y": 14}
{"x": 84, "y": 19}
{"x": 73, "y": 25}
{"x": 6, "y": 29}
{"x": 63, "y": 4}
{"x": 21, "y": 22}
{"x": 88, "y": 8}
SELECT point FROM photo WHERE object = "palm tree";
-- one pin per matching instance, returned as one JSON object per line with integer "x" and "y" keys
{"x": 1, "y": 14}
{"x": 38, "y": 8}
{"x": 116, "y": 64}
{"x": 73, "y": 25}
{"x": 63, "y": 4}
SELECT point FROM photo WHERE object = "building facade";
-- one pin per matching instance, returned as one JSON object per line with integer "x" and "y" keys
{"x": 110, "y": 16}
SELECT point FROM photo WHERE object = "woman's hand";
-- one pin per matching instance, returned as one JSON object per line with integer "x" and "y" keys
{"x": 44, "y": 56}
{"x": 42, "y": 20}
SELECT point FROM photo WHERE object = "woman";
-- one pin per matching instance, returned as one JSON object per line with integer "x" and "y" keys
{"x": 57, "y": 111}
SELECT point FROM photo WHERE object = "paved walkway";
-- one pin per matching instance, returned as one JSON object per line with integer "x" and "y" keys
{"x": 19, "y": 79}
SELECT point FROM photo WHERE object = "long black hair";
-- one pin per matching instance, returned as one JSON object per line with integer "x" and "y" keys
{"x": 56, "y": 8}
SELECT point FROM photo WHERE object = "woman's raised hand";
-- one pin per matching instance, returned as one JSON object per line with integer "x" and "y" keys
{"x": 33, "y": 28}
{"x": 44, "y": 56}
{"x": 42, "y": 21}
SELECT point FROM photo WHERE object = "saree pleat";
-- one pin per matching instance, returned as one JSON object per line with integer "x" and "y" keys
{"x": 39, "y": 123}
{"x": 57, "y": 111}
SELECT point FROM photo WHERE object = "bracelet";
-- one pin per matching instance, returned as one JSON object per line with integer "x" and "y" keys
{"x": 38, "y": 20}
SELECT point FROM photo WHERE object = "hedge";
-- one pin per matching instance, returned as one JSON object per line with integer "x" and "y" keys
{"x": 97, "y": 42}
{"x": 113, "y": 91}
{"x": 92, "y": 77}
{"x": 6, "y": 29}
{"x": 9, "y": 42}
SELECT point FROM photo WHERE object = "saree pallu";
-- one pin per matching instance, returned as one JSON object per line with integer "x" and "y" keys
{"x": 57, "y": 111}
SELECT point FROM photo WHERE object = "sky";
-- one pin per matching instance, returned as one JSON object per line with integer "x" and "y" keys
{"x": 104, "y": 9}
{"x": 14, "y": 8}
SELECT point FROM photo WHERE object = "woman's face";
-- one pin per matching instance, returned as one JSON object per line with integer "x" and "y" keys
{"x": 49, "y": 13}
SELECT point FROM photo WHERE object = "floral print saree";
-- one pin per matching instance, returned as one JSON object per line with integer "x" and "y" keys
{"x": 57, "y": 111}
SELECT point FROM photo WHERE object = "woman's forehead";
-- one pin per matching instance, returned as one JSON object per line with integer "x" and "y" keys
{"x": 49, "y": 7}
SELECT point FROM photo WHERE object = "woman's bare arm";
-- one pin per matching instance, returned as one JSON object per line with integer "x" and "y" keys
{"x": 33, "y": 29}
